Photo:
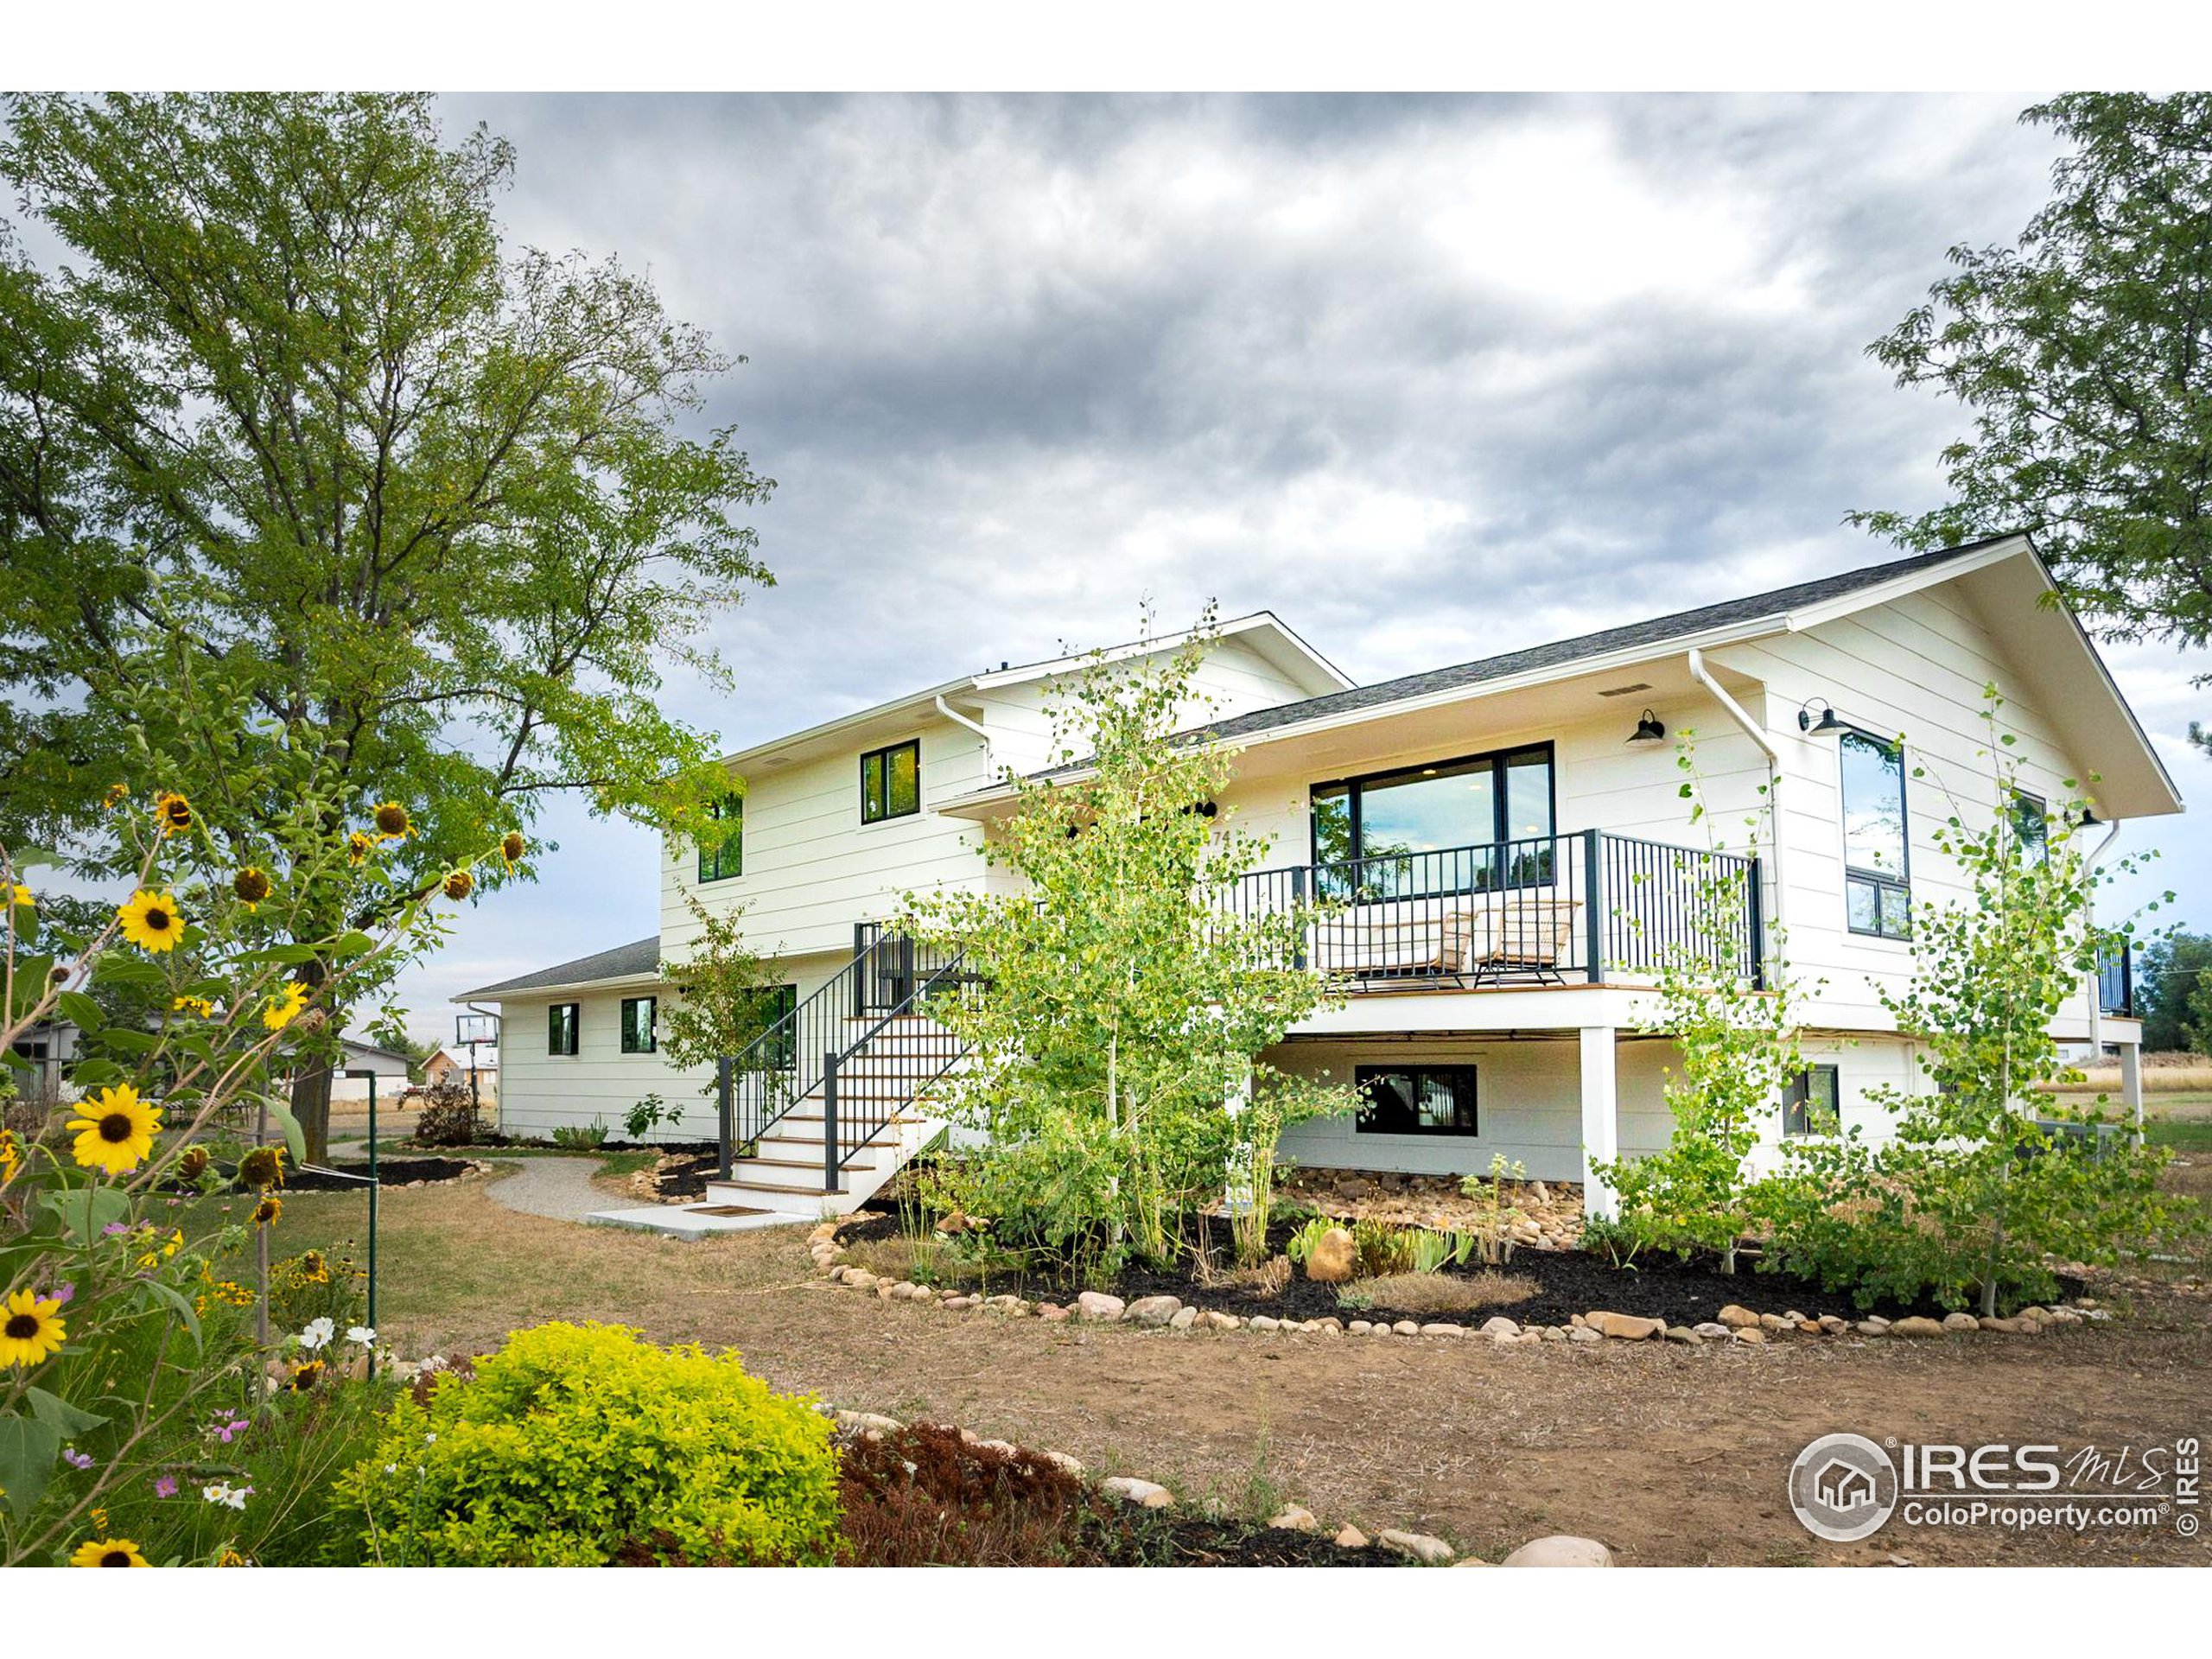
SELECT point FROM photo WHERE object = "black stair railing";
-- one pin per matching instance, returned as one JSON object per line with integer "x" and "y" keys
{"x": 899, "y": 1053}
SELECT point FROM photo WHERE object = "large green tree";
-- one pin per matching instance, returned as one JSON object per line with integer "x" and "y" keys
{"x": 2084, "y": 353}
{"x": 281, "y": 411}
{"x": 2172, "y": 975}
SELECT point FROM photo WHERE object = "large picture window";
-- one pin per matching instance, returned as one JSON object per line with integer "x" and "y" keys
{"x": 722, "y": 854}
{"x": 1415, "y": 1099}
{"x": 560, "y": 1027}
{"x": 1470, "y": 824}
{"x": 639, "y": 1035}
{"x": 891, "y": 783}
{"x": 1811, "y": 1105}
{"x": 1878, "y": 893}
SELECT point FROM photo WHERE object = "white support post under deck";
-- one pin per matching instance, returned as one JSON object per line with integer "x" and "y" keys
{"x": 2131, "y": 1085}
{"x": 1601, "y": 1136}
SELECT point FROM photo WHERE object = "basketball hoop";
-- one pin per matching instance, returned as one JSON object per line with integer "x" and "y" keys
{"x": 470, "y": 1029}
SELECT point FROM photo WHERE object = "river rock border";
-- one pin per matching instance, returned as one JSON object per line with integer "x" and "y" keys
{"x": 1733, "y": 1326}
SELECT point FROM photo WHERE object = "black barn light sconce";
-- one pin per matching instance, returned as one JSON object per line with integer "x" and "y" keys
{"x": 1649, "y": 729}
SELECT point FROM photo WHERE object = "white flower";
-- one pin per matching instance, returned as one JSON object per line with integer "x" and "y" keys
{"x": 430, "y": 1440}
{"x": 318, "y": 1333}
{"x": 360, "y": 1335}
{"x": 223, "y": 1492}
{"x": 391, "y": 1468}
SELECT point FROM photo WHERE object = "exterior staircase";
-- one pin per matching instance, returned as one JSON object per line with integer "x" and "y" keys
{"x": 884, "y": 1067}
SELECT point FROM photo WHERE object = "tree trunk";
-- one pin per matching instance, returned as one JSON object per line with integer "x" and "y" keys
{"x": 311, "y": 1106}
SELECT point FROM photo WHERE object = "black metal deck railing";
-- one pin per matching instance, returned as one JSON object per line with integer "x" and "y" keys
{"x": 1545, "y": 910}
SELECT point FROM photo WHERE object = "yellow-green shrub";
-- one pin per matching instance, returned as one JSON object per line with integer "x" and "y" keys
{"x": 579, "y": 1444}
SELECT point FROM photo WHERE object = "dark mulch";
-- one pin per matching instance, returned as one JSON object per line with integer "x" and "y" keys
{"x": 684, "y": 1174}
{"x": 391, "y": 1172}
{"x": 495, "y": 1143}
{"x": 1569, "y": 1282}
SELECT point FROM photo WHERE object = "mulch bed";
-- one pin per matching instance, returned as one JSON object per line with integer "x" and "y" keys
{"x": 1569, "y": 1282}
{"x": 391, "y": 1172}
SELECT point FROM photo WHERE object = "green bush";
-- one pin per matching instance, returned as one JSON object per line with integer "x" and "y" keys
{"x": 585, "y": 1444}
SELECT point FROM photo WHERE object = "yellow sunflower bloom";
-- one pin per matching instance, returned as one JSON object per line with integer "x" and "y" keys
{"x": 116, "y": 1135}
{"x": 285, "y": 1007}
{"x": 108, "y": 1551}
{"x": 359, "y": 846}
{"x": 251, "y": 885}
{"x": 12, "y": 1156}
{"x": 198, "y": 1005}
{"x": 31, "y": 1330}
{"x": 173, "y": 811}
{"x": 459, "y": 884}
{"x": 150, "y": 921}
{"x": 262, "y": 1167}
{"x": 117, "y": 793}
{"x": 268, "y": 1212}
{"x": 21, "y": 897}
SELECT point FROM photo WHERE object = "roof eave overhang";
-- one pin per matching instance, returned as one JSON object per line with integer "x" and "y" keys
{"x": 521, "y": 993}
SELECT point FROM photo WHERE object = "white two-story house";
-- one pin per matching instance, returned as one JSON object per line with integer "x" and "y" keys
{"x": 1504, "y": 844}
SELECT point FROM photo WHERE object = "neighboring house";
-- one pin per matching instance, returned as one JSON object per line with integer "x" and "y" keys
{"x": 49, "y": 1046}
{"x": 445, "y": 1064}
{"x": 390, "y": 1065}
{"x": 1510, "y": 832}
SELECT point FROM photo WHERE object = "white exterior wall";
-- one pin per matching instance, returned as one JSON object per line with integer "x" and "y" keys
{"x": 1915, "y": 666}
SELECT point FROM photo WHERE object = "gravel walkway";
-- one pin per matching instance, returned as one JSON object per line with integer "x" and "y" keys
{"x": 559, "y": 1187}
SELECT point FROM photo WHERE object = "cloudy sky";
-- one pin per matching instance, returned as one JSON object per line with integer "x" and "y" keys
{"x": 1431, "y": 377}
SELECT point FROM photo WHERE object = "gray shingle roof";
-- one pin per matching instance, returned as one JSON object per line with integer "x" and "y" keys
{"x": 641, "y": 957}
{"x": 1681, "y": 624}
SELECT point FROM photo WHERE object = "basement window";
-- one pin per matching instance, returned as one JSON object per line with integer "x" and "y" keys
{"x": 1415, "y": 1099}
{"x": 1813, "y": 1103}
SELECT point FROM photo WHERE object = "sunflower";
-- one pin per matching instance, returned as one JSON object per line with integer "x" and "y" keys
{"x": 458, "y": 884}
{"x": 12, "y": 1156}
{"x": 32, "y": 1330}
{"x": 231, "y": 1558}
{"x": 250, "y": 883}
{"x": 392, "y": 821}
{"x": 306, "y": 1376}
{"x": 198, "y": 1005}
{"x": 150, "y": 921}
{"x": 312, "y": 1268}
{"x": 108, "y": 1551}
{"x": 268, "y": 1211}
{"x": 192, "y": 1164}
{"x": 284, "y": 1007}
{"x": 262, "y": 1167}
{"x": 117, "y": 1133}
{"x": 512, "y": 847}
{"x": 172, "y": 811}
{"x": 359, "y": 846}
{"x": 21, "y": 897}
{"x": 117, "y": 794}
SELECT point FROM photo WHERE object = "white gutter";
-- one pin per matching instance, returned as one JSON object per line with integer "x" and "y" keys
{"x": 1757, "y": 734}
{"x": 2089, "y": 915}
{"x": 959, "y": 719}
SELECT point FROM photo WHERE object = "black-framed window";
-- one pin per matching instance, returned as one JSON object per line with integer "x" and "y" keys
{"x": 1472, "y": 823}
{"x": 891, "y": 782}
{"x": 721, "y": 855}
{"x": 2030, "y": 826}
{"x": 1813, "y": 1103}
{"x": 1877, "y": 857}
{"x": 772, "y": 1006}
{"x": 561, "y": 1019}
{"x": 1415, "y": 1099}
{"x": 640, "y": 1024}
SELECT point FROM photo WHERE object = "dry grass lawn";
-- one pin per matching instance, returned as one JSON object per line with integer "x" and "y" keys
{"x": 1440, "y": 1295}
{"x": 1670, "y": 1455}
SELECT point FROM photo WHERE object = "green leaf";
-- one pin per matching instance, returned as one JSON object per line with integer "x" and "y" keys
{"x": 84, "y": 1210}
{"x": 292, "y": 954}
{"x": 296, "y": 1140}
{"x": 96, "y": 1074}
{"x": 81, "y": 1011}
{"x": 117, "y": 1038}
{"x": 175, "y": 1299}
{"x": 121, "y": 969}
{"x": 355, "y": 943}
{"x": 64, "y": 1418}
{"x": 28, "y": 1451}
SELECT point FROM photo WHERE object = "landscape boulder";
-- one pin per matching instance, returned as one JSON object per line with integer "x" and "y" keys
{"x": 1333, "y": 1258}
{"x": 1096, "y": 1305}
{"x": 1560, "y": 1551}
{"x": 1627, "y": 1327}
{"x": 1154, "y": 1310}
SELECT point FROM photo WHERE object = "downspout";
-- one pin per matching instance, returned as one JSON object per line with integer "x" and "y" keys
{"x": 976, "y": 726}
{"x": 2089, "y": 915}
{"x": 1757, "y": 734}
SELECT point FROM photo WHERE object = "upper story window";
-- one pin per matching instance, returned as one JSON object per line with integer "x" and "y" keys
{"x": 561, "y": 1020}
{"x": 1877, "y": 875}
{"x": 1813, "y": 1103}
{"x": 891, "y": 782}
{"x": 638, "y": 1032}
{"x": 1479, "y": 822}
{"x": 2030, "y": 826}
{"x": 721, "y": 855}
